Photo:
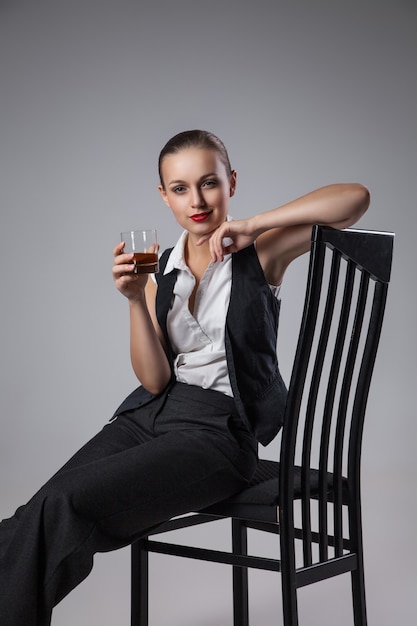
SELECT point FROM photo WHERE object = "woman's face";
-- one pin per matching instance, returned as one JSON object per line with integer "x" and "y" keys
{"x": 197, "y": 189}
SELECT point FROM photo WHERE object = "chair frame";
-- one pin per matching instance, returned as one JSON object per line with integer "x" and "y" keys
{"x": 367, "y": 254}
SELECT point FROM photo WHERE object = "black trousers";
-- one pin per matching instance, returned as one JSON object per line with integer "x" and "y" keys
{"x": 183, "y": 451}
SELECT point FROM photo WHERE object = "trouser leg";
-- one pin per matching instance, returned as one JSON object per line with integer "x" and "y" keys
{"x": 135, "y": 474}
{"x": 47, "y": 547}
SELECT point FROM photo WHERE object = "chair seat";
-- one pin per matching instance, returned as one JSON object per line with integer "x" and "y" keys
{"x": 260, "y": 499}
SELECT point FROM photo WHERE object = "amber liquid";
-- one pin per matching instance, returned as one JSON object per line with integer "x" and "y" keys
{"x": 145, "y": 263}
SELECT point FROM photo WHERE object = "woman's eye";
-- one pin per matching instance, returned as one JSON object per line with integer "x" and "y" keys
{"x": 178, "y": 189}
{"x": 209, "y": 183}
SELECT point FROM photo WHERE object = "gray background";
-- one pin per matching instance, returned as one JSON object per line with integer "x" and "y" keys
{"x": 303, "y": 94}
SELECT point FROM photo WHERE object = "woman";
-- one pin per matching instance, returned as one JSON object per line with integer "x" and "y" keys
{"x": 203, "y": 346}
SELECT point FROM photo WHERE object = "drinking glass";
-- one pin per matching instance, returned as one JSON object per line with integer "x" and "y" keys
{"x": 143, "y": 245}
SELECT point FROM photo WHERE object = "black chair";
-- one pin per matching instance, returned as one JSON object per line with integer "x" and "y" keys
{"x": 312, "y": 496}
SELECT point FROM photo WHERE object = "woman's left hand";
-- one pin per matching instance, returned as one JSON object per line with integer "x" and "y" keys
{"x": 229, "y": 237}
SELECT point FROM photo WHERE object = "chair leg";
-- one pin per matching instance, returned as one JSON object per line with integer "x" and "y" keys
{"x": 359, "y": 599}
{"x": 358, "y": 575}
{"x": 358, "y": 587}
{"x": 240, "y": 576}
{"x": 139, "y": 585}
{"x": 289, "y": 602}
{"x": 288, "y": 580}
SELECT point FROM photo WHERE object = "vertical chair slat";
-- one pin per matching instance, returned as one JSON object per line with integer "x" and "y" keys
{"x": 328, "y": 409}
{"x": 311, "y": 408}
{"x": 362, "y": 386}
{"x": 288, "y": 443}
{"x": 342, "y": 411}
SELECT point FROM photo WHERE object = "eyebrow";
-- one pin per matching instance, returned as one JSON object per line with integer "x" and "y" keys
{"x": 183, "y": 182}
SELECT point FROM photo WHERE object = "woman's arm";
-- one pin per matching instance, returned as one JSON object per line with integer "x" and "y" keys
{"x": 284, "y": 233}
{"x": 147, "y": 353}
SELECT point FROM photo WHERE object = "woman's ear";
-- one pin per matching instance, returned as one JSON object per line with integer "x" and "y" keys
{"x": 163, "y": 195}
{"x": 232, "y": 187}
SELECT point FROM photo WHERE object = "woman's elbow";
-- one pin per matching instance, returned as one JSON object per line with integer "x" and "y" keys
{"x": 155, "y": 387}
{"x": 357, "y": 203}
{"x": 362, "y": 200}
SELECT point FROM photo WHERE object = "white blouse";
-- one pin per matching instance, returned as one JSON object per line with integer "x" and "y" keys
{"x": 198, "y": 339}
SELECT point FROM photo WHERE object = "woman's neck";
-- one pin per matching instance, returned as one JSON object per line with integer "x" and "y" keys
{"x": 196, "y": 257}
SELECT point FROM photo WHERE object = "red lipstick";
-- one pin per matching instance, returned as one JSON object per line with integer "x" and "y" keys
{"x": 200, "y": 217}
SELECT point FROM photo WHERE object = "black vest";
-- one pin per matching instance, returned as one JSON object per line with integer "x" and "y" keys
{"x": 250, "y": 341}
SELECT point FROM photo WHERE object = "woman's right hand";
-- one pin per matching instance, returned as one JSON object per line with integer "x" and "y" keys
{"x": 129, "y": 284}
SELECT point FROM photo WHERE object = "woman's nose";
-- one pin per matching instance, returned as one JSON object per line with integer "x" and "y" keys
{"x": 197, "y": 198}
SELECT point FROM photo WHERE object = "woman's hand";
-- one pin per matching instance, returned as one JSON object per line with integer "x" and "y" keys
{"x": 129, "y": 284}
{"x": 229, "y": 237}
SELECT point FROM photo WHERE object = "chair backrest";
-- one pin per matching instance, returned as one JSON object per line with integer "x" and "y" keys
{"x": 321, "y": 439}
